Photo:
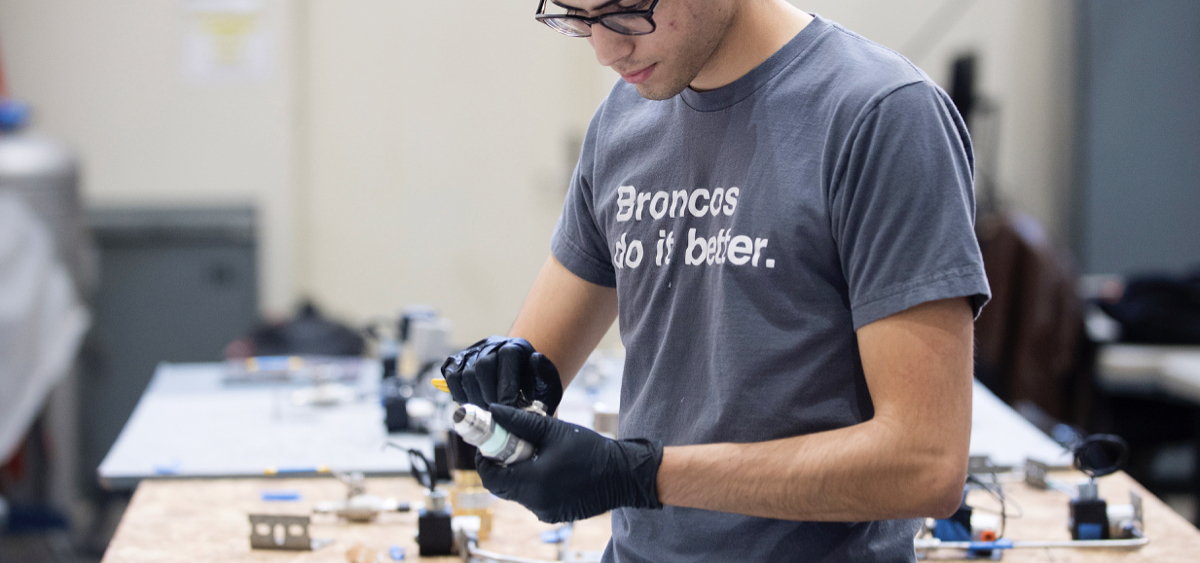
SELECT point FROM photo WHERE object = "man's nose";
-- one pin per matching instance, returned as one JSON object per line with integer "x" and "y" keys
{"x": 610, "y": 46}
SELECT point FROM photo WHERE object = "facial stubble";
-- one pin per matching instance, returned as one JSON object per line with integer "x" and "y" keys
{"x": 697, "y": 49}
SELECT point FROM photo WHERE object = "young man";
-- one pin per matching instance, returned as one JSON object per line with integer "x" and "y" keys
{"x": 780, "y": 213}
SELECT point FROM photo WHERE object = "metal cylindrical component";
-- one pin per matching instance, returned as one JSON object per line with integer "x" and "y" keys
{"x": 605, "y": 420}
{"x": 45, "y": 174}
{"x": 477, "y": 428}
{"x": 1088, "y": 490}
{"x": 435, "y": 500}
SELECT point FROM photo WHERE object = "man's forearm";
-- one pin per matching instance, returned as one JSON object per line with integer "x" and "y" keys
{"x": 909, "y": 460}
{"x": 564, "y": 317}
{"x": 871, "y": 471}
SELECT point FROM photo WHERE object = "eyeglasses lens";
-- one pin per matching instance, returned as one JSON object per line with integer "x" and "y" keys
{"x": 569, "y": 26}
{"x": 628, "y": 24}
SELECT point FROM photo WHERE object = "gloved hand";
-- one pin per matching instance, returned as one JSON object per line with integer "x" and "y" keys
{"x": 576, "y": 473}
{"x": 501, "y": 370}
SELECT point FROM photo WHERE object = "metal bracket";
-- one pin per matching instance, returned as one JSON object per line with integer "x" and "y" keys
{"x": 981, "y": 464}
{"x": 1035, "y": 474}
{"x": 1136, "y": 500}
{"x": 1139, "y": 520}
{"x": 270, "y": 531}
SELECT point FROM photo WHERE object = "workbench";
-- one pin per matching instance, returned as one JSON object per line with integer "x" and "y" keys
{"x": 1157, "y": 374}
{"x": 190, "y": 515}
{"x": 206, "y": 520}
{"x": 193, "y": 520}
{"x": 1043, "y": 517}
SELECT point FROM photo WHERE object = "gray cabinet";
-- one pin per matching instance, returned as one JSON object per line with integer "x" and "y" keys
{"x": 1138, "y": 204}
{"x": 175, "y": 285}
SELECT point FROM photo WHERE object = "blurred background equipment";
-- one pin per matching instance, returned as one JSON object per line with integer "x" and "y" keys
{"x": 434, "y": 533}
{"x": 176, "y": 285}
{"x": 42, "y": 321}
{"x": 308, "y": 334}
{"x": 468, "y": 497}
{"x": 411, "y": 351}
{"x": 1136, "y": 195}
{"x": 46, "y": 277}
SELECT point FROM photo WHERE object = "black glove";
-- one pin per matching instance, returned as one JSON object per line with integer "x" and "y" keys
{"x": 576, "y": 473}
{"x": 503, "y": 370}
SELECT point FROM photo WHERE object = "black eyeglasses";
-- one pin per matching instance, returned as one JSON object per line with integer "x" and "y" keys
{"x": 635, "y": 22}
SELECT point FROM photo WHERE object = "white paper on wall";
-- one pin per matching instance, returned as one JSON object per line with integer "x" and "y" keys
{"x": 227, "y": 41}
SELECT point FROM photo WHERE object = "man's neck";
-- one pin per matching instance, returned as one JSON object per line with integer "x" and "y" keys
{"x": 757, "y": 31}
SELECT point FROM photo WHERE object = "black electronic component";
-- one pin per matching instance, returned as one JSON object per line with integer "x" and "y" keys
{"x": 395, "y": 404}
{"x": 1101, "y": 454}
{"x": 962, "y": 85}
{"x": 435, "y": 536}
{"x": 1089, "y": 519}
{"x": 389, "y": 361}
{"x": 441, "y": 461}
{"x": 1096, "y": 456}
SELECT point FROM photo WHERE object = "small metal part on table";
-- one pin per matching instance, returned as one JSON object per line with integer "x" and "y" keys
{"x": 272, "y": 531}
{"x": 982, "y": 464}
{"x": 359, "y": 506}
{"x": 1035, "y": 474}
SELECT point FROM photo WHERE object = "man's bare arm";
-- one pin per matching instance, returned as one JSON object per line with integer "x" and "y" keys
{"x": 564, "y": 317}
{"x": 910, "y": 460}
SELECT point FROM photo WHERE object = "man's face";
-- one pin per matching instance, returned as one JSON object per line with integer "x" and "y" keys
{"x": 661, "y": 64}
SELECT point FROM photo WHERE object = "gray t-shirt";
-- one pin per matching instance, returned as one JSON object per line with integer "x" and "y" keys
{"x": 749, "y": 231}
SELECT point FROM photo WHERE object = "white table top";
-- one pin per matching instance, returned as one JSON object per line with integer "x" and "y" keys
{"x": 998, "y": 432}
{"x": 190, "y": 423}
{"x": 1142, "y": 368}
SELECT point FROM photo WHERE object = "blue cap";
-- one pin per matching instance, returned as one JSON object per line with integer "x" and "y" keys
{"x": 14, "y": 114}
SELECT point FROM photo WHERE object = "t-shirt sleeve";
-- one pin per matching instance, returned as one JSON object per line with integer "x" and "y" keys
{"x": 903, "y": 213}
{"x": 578, "y": 242}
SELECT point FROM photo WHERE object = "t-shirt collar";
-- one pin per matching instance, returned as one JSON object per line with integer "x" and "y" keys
{"x": 742, "y": 88}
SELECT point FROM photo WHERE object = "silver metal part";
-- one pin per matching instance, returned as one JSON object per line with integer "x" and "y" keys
{"x": 1089, "y": 490}
{"x": 435, "y": 500}
{"x": 536, "y": 407}
{"x": 1138, "y": 516}
{"x": 980, "y": 464}
{"x": 269, "y": 531}
{"x": 477, "y": 428}
{"x": 1126, "y": 520}
{"x": 1035, "y": 474}
{"x": 605, "y": 420}
{"x": 355, "y": 481}
{"x": 360, "y": 508}
{"x": 358, "y": 505}
{"x": 466, "y": 540}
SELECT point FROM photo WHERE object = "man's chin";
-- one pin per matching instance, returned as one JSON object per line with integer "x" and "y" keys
{"x": 657, "y": 92}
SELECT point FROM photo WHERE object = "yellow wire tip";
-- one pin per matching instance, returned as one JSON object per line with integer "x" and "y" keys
{"x": 441, "y": 385}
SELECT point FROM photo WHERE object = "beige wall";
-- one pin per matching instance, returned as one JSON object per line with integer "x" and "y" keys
{"x": 107, "y": 78}
{"x": 439, "y": 159}
{"x": 397, "y": 160}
